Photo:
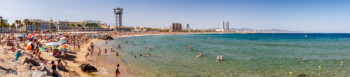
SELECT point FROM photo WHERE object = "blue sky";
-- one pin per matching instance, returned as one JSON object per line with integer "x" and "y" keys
{"x": 329, "y": 16}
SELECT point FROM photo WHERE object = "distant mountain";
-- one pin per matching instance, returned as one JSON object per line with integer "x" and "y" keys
{"x": 262, "y": 31}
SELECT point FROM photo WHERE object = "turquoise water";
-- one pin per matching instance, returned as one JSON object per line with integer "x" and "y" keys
{"x": 244, "y": 55}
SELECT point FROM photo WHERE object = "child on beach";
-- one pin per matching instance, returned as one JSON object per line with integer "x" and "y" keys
{"x": 117, "y": 71}
{"x": 99, "y": 51}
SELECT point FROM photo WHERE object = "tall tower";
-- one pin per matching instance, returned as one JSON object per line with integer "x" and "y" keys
{"x": 118, "y": 13}
{"x": 227, "y": 27}
{"x": 223, "y": 26}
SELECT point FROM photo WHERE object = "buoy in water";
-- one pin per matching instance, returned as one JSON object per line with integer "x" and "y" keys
{"x": 319, "y": 67}
{"x": 290, "y": 73}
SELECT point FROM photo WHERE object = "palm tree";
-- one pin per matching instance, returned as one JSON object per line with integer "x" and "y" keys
{"x": 37, "y": 26}
{"x": 19, "y": 26}
{"x": 2, "y": 23}
{"x": 18, "y": 22}
{"x": 13, "y": 26}
{"x": 6, "y": 26}
{"x": 27, "y": 23}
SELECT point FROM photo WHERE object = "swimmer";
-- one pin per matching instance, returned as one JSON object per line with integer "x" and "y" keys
{"x": 185, "y": 47}
{"x": 301, "y": 58}
{"x": 149, "y": 54}
{"x": 189, "y": 46}
{"x": 149, "y": 49}
{"x": 199, "y": 55}
{"x": 221, "y": 58}
{"x": 191, "y": 49}
{"x": 140, "y": 54}
{"x": 111, "y": 49}
{"x": 117, "y": 54}
{"x": 135, "y": 56}
{"x": 144, "y": 47}
{"x": 131, "y": 52}
{"x": 218, "y": 58}
{"x": 155, "y": 47}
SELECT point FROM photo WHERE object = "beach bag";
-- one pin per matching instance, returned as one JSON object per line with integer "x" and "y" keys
{"x": 29, "y": 47}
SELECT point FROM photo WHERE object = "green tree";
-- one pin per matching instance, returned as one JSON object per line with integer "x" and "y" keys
{"x": 6, "y": 26}
{"x": 18, "y": 22}
{"x": 2, "y": 24}
{"x": 13, "y": 26}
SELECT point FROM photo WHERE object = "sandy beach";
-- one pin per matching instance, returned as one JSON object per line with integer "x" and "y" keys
{"x": 72, "y": 61}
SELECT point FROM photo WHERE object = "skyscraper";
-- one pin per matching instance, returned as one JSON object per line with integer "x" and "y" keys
{"x": 227, "y": 27}
{"x": 175, "y": 27}
{"x": 223, "y": 26}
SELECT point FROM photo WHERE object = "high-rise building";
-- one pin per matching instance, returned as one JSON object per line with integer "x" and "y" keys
{"x": 227, "y": 27}
{"x": 175, "y": 27}
{"x": 223, "y": 26}
{"x": 188, "y": 27}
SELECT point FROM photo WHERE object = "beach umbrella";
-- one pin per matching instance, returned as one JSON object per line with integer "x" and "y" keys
{"x": 24, "y": 34}
{"x": 33, "y": 36}
{"x": 50, "y": 36}
{"x": 30, "y": 36}
{"x": 52, "y": 44}
{"x": 29, "y": 43}
{"x": 63, "y": 41}
{"x": 19, "y": 36}
{"x": 62, "y": 38}
{"x": 68, "y": 33}
{"x": 43, "y": 41}
{"x": 62, "y": 47}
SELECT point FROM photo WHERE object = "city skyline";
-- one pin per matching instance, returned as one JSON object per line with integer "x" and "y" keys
{"x": 296, "y": 15}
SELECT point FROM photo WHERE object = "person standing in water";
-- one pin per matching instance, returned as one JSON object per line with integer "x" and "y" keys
{"x": 199, "y": 55}
{"x": 106, "y": 51}
{"x": 117, "y": 71}
{"x": 92, "y": 46}
{"x": 99, "y": 51}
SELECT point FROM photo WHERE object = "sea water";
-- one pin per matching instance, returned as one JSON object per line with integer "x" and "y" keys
{"x": 259, "y": 54}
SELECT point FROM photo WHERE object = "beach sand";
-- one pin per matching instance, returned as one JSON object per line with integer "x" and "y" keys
{"x": 73, "y": 60}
